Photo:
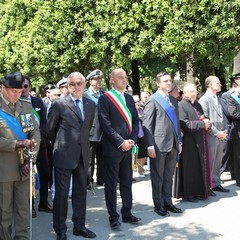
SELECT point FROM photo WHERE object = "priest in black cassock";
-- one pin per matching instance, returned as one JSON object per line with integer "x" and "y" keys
{"x": 192, "y": 179}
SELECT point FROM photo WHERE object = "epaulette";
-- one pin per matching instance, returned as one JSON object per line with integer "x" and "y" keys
{"x": 25, "y": 100}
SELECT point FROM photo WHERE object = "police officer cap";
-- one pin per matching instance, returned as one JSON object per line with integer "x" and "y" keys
{"x": 236, "y": 75}
{"x": 48, "y": 87}
{"x": 13, "y": 80}
{"x": 95, "y": 73}
{"x": 62, "y": 83}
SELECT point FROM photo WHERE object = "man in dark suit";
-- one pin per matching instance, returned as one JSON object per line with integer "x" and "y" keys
{"x": 162, "y": 135}
{"x": 119, "y": 121}
{"x": 42, "y": 161}
{"x": 17, "y": 130}
{"x": 69, "y": 122}
{"x": 233, "y": 105}
{"x": 94, "y": 92}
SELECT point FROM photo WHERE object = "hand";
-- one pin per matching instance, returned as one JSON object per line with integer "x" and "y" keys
{"x": 151, "y": 153}
{"x": 221, "y": 135}
{"x": 25, "y": 169}
{"x": 127, "y": 145}
{"x": 207, "y": 123}
{"x": 180, "y": 148}
{"x": 26, "y": 143}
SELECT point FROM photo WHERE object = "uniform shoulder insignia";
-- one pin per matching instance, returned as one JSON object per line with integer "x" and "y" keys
{"x": 25, "y": 100}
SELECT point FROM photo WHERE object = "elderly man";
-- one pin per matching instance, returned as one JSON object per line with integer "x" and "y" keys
{"x": 18, "y": 128}
{"x": 193, "y": 178}
{"x": 213, "y": 111}
{"x": 69, "y": 122}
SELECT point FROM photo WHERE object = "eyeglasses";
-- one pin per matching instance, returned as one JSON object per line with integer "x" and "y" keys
{"x": 72, "y": 84}
{"x": 57, "y": 95}
{"x": 122, "y": 77}
{"x": 25, "y": 86}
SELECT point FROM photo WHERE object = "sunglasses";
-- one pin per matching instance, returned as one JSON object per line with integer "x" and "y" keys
{"x": 57, "y": 95}
{"x": 25, "y": 86}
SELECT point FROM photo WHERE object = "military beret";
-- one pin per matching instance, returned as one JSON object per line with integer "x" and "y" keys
{"x": 48, "y": 87}
{"x": 13, "y": 80}
{"x": 95, "y": 73}
{"x": 62, "y": 83}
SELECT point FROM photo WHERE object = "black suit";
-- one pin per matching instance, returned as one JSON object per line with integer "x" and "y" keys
{"x": 117, "y": 163}
{"x": 70, "y": 137}
{"x": 42, "y": 161}
{"x": 234, "y": 111}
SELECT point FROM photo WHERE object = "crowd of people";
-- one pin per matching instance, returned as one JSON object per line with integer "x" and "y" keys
{"x": 75, "y": 130}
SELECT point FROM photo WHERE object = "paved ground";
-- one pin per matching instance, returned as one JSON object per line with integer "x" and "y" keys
{"x": 215, "y": 218}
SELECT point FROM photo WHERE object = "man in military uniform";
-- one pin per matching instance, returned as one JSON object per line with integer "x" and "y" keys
{"x": 94, "y": 92}
{"x": 18, "y": 128}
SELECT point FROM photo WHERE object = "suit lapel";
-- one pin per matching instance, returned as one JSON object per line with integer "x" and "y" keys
{"x": 71, "y": 105}
{"x": 215, "y": 107}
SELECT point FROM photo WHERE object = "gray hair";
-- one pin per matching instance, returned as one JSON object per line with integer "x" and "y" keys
{"x": 73, "y": 74}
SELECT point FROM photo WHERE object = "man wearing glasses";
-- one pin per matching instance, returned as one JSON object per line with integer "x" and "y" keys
{"x": 69, "y": 122}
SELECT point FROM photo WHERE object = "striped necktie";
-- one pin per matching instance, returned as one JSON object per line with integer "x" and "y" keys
{"x": 79, "y": 110}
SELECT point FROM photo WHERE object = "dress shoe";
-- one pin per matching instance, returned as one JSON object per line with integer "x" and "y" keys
{"x": 100, "y": 183}
{"x": 61, "y": 236}
{"x": 219, "y": 188}
{"x": 34, "y": 213}
{"x": 45, "y": 208}
{"x": 162, "y": 212}
{"x": 115, "y": 224}
{"x": 212, "y": 193}
{"x": 84, "y": 232}
{"x": 172, "y": 208}
{"x": 131, "y": 219}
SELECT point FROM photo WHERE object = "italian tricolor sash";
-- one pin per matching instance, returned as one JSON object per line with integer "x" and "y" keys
{"x": 121, "y": 106}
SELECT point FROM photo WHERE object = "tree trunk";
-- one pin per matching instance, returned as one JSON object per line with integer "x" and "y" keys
{"x": 236, "y": 64}
{"x": 135, "y": 77}
{"x": 189, "y": 69}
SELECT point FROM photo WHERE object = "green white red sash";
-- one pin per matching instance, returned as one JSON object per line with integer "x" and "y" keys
{"x": 121, "y": 106}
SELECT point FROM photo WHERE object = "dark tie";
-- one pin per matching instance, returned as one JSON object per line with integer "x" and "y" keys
{"x": 11, "y": 106}
{"x": 78, "y": 109}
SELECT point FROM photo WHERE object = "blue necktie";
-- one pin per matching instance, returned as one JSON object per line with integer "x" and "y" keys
{"x": 79, "y": 110}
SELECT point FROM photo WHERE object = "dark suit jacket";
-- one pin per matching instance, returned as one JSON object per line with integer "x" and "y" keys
{"x": 114, "y": 127}
{"x": 38, "y": 105}
{"x": 158, "y": 128}
{"x": 234, "y": 111}
{"x": 69, "y": 136}
{"x": 96, "y": 131}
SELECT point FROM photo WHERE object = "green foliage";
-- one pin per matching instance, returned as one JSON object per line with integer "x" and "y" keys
{"x": 48, "y": 39}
